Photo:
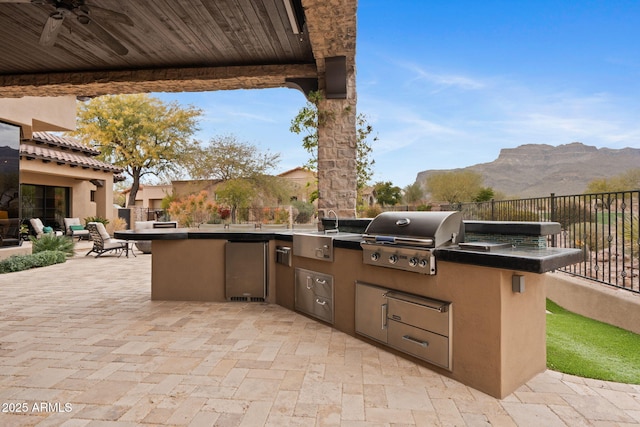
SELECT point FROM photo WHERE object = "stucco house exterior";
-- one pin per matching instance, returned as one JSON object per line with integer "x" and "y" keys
{"x": 61, "y": 178}
{"x": 57, "y": 176}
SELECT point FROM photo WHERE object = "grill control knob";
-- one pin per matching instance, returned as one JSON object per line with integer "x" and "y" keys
{"x": 375, "y": 256}
{"x": 423, "y": 263}
{"x": 393, "y": 259}
{"x": 413, "y": 261}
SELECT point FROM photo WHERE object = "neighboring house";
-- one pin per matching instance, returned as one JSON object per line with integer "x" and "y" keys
{"x": 149, "y": 196}
{"x": 304, "y": 181}
{"x": 186, "y": 187}
{"x": 61, "y": 178}
{"x": 368, "y": 196}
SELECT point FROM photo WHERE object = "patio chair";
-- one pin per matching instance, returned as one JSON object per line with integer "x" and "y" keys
{"x": 39, "y": 228}
{"x": 73, "y": 228}
{"x": 102, "y": 242}
{"x": 10, "y": 232}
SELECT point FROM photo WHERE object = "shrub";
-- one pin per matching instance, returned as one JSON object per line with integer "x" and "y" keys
{"x": 51, "y": 242}
{"x": 305, "y": 212}
{"x": 25, "y": 262}
{"x": 372, "y": 212}
{"x": 116, "y": 225}
{"x": 89, "y": 219}
{"x": 631, "y": 234}
{"x": 588, "y": 235}
{"x": 44, "y": 258}
{"x": 193, "y": 210}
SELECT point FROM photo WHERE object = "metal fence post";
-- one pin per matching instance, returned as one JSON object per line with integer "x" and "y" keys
{"x": 553, "y": 217}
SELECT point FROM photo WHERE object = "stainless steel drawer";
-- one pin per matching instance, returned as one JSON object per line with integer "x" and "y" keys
{"x": 423, "y": 313}
{"x": 423, "y": 344}
{"x": 314, "y": 294}
{"x": 322, "y": 285}
{"x": 323, "y": 309}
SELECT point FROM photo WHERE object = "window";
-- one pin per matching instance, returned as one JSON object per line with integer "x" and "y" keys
{"x": 9, "y": 171}
{"x": 50, "y": 204}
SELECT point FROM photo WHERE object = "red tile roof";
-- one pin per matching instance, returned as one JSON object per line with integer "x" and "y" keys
{"x": 63, "y": 142}
{"x": 63, "y": 151}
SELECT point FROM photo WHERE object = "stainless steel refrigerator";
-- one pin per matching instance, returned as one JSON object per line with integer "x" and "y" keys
{"x": 246, "y": 271}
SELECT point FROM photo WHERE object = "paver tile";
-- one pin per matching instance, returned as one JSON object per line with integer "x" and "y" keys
{"x": 86, "y": 332}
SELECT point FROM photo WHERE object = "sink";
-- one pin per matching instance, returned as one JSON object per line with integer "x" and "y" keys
{"x": 318, "y": 244}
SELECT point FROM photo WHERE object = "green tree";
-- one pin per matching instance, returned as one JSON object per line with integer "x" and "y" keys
{"x": 413, "y": 193}
{"x": 629, "y": 180}
{"x": 306, "y": 122}
{"x": 387, "y": 193}
{"x": 454, "y": 187}
{"x": 237, "y": 193}
{"x": 139, "y": 133}
{"x": 242, "y": 167}
{"x": 484, "y": 195}
{"x": 225, "y": 158}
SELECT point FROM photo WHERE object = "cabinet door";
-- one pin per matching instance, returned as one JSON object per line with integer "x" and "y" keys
{"x": 371, "y": 311}
{"x": 304, "y": 296}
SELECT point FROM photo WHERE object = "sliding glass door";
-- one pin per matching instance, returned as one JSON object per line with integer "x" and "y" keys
{"x": 50, "y": 204}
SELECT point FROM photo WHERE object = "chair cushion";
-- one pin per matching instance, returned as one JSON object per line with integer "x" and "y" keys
{"x": 37, "y": 225}
{"x": 102, "y": 230}
{"x": 68, "y": 222}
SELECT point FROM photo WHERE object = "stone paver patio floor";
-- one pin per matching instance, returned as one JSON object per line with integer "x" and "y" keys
{"x": 82, "y": 344}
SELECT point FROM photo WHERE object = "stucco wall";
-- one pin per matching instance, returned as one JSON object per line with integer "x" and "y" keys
{"x": 40, "y": 113}
{"x": 39, "y": 173}
{"x": 616, "y": 307}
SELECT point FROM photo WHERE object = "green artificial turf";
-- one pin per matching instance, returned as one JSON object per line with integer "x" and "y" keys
{"x": 587, "y": 348}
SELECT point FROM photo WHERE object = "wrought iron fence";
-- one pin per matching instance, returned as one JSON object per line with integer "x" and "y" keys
{"x": 604, "y": 225}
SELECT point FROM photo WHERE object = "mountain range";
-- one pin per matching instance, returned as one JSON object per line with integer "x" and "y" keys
{"x": 536, "y": 170}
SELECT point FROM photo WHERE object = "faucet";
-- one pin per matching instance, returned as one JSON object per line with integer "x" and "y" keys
{"x": 331, "y": 211}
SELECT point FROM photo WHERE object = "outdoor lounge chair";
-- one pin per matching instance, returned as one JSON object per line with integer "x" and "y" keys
{"x": 102, "y": 242}
{"x": 74, "y": 228}
{"x": 39, "y": 228}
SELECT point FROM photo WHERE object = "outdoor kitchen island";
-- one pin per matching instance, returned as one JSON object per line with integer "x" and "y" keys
{"x": 495, "y": 300}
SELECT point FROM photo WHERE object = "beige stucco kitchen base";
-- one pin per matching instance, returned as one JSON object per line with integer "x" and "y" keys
{"x": 192, "y": 270}
{"x": 498, "y": 335}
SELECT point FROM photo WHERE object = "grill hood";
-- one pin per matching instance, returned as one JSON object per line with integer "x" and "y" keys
{"x": 425, "y": 229}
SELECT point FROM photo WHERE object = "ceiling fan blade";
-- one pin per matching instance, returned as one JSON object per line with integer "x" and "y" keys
{"x": 111, "y": 15}
{"x": 106, "y": 38}
{"x": 52, "y": 28}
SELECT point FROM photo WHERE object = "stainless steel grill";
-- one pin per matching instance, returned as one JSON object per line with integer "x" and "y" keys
{"x": 405, "y": 240}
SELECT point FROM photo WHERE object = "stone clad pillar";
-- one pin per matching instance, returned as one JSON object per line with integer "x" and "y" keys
{"x": 331, "y": 25}
{"x": 337, "y": 174}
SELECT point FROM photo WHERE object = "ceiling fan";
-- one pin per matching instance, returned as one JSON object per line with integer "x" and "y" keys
{"x": 87, "y": 15}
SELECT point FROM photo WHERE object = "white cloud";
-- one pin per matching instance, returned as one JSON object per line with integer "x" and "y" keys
{"x": 444, "y": 80}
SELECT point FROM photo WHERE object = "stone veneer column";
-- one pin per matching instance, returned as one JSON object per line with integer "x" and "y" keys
{"x": 331, "y": 26}
{"x": 337, "y": 173}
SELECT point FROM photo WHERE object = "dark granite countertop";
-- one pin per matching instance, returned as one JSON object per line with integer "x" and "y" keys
{"x": 534, "y": 260}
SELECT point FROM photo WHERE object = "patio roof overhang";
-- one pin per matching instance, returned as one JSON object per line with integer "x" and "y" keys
{"x": 170, "y": 46}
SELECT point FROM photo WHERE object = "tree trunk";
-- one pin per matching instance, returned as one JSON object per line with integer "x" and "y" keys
{"x": 134, "y": 188}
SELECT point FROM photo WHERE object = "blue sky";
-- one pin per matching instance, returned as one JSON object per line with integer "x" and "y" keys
{"x": 447, "y": 84}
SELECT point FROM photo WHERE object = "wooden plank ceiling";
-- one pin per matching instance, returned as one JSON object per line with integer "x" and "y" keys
{"x": 149, "y": 40}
